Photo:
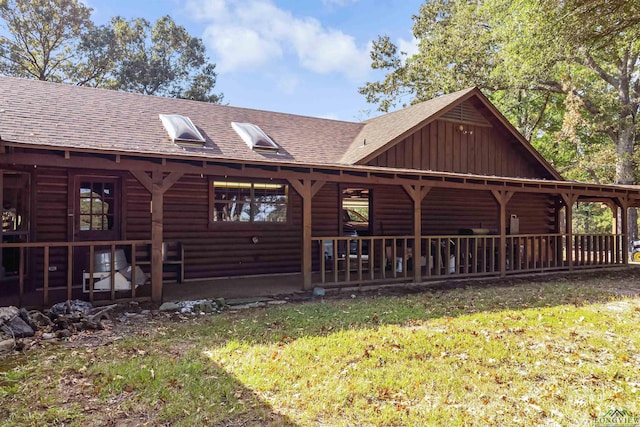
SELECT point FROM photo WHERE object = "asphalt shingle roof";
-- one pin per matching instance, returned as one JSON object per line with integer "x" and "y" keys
{"x": 67, "y": 116}
{"x": 46, "y": 114}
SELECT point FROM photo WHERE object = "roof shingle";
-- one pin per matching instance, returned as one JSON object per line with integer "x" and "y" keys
{"x": 46, "y": 114}
{"x": 67, "y": 116}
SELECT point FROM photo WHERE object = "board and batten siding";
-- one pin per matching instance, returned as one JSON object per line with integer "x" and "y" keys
{"x": 476, "y": 149}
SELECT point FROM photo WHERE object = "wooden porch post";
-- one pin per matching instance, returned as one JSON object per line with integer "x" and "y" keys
{"x": 503, "y": 197}
{"x": 613, "y": 204}
{"x": 569, "y": 199}
{"x": 558, "y": 249}
{"x": 624, "y": 219}
{"x": 157, "y": 185}
{"x": 157, "y": 227}
{"x": 417, "y": 194}
{"x": 306, "y": 189}
{"x": 2, "y": 228}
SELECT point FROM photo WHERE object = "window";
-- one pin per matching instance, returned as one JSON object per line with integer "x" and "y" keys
{"x": 97, "y": 200}
{"x": 355, "y": 211}
{"x": 257, "y": 202}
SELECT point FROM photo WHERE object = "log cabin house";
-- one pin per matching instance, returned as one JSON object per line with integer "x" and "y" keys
{"x": 110, "y": 195}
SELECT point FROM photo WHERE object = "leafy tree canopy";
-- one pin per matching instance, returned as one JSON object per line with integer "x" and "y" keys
{"x": 40, "y": 37}
{"x": 566, "y": 73}
{"x": 56, "y": 40}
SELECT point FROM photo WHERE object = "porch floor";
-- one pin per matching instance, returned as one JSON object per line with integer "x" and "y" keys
{"x": 234, "y": 287}
{"x": 289, "y": 284}
{"x": 278, "y": 285}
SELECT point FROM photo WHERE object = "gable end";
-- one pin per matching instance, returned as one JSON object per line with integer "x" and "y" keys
{"x": 467, "y": 114}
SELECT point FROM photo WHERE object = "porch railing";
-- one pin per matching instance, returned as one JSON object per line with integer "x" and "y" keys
{"x": 597, "y": 249}
{"x": 460, "y": 255}
{"x": 61, "y": 268}
{"x": 375, "y": 259}
{"x": 535, "y": 253}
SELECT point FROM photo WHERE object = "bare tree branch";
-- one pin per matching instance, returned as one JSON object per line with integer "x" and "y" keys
{"x": 540, "y": 115}
{"x": 592, "y": 173}
{"x": 588, "y": 61}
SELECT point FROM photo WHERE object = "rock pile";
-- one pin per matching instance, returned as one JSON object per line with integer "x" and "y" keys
{"x": 59, "y": 322}
{"x": 206, "y": 306}
{"x": 203, "y": 306}
{"x": 67, "y": 321}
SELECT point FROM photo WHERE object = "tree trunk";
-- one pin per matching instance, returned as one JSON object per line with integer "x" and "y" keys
{"x": 625, "y": 169}
{"x": 632, "y": 227}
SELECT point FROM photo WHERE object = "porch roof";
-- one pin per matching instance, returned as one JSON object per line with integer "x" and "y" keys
{"x": 356, "y": 174}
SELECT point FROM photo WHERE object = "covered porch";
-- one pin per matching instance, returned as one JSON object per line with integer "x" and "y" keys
{"x": 407, "y": 208}
{"x": 467, "y": 248}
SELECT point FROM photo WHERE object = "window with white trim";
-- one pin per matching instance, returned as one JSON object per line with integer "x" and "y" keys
{"x": 253, "y": 202}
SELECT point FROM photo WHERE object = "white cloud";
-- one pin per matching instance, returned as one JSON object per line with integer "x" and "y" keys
{"x": 338, "y": 3}
{"x": 410, "y": 47}
{"x": 207, "y": 10}
{"x": 240, "y": 47}
{"x": 256, "y": 33}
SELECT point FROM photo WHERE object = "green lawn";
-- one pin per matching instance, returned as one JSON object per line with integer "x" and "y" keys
{"x": 531, "y": 353}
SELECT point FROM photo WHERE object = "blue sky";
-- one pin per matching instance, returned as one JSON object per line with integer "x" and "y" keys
{"x": 297, "y": 56}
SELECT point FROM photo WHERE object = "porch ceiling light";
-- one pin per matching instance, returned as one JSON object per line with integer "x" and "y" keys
{"x": 254, "y": 137}
{"x": 181, "y": 129}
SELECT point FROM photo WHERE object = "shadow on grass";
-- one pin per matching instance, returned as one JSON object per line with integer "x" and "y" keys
{"x": 178, "y": 386}
{"x": 131, "y": 383}
{"x": 168, "y": 378}
{"x": 251, "y": 409}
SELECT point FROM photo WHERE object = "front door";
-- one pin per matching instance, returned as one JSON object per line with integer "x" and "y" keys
{"x": 98, "y": 208}
{"x": 97, "y": 217}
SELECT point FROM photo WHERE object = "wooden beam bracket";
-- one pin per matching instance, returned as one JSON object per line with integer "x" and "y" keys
{"x": 306, "y": 190}
{"x": 144, "y": 179}
{"x": 417, "y": 193}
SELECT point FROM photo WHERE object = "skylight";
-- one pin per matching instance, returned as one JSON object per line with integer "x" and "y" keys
{"x": 254, "y": 137}
{"x": 181, "y": 129}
